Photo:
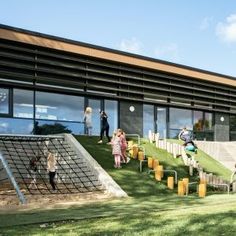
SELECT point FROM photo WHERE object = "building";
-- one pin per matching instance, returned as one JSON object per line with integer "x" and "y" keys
{"x": 47, "y": 80}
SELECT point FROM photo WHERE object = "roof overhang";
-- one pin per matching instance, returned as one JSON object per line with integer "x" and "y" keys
{"x": 47, "y": 41}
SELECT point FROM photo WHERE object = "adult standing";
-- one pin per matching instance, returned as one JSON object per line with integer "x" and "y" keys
{"x": 88, "y": 121}
{"x": 104, "y": 127}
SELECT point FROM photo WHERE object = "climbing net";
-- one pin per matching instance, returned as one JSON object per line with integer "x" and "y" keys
{"x": 73, "y": 173}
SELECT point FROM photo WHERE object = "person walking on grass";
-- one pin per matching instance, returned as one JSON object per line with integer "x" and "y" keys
{"x": 104, "y": 127}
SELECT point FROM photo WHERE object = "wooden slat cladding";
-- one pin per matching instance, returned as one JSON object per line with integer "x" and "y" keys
{"x": 46, "y": 41}
{"x": 47, "y": 66}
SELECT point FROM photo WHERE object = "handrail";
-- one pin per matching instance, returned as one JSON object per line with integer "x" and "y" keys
{"x": 141, "y": 165}
{"x": 227, "y": 185}
{"x": 13, "y": 181}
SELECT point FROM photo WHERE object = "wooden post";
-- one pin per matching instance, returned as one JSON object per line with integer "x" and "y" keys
{"x": 135, "y": 152}
{"x": 157, "y": 139}
{"x": 175, "y": 150}
{"x": 234, "y": 187}
{"x": 150, "y": 162}
{"x": 181, "y": 189}
{"x": 130, "y": 143}
{"x": 150, "y": 136}
{"x": 141, "y": 155}
{"x": 159, "y": 172}
{"x": 155, "y": 163}
{"x": 186, "y": 182}
{"x": 170, "y": 182}
{"x": 191, "y": 170}
{"x": 202, "y": 190}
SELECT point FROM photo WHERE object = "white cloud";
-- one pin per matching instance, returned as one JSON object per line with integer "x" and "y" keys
{"x": 205, "y": 24}
{"x": 132, "y": 45}
{"x": 168, "y": 52}
{"x": 4, "y": 125}
{"x": 227, "y": 31}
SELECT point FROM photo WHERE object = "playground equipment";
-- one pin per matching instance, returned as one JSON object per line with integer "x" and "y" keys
{"x": 178, "y": 150}
{"x": 73, "y": 174}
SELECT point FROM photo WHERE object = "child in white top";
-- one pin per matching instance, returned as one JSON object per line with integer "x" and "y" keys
{"x": 88, "y": 120}
{"x": 51, "y": 168}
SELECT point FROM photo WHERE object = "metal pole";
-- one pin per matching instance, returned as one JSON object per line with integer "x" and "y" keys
{"x": 13, "y": 181}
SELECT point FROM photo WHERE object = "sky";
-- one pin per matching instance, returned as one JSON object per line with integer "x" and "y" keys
{"x": 195, "y": 33}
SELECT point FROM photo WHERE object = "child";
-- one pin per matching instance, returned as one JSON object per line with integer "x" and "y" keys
{"x": 33, "y": 167}
{"x": 104, "y": 126}
{"x": 116, "y": 148}
{"x": 123, "y": 146}
{"x": 51, "y": 168}
{"x": 185, "y": 135}
{"x": 88, "y": 121}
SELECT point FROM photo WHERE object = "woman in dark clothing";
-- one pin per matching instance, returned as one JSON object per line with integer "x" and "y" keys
{"x": 104, "y": 126}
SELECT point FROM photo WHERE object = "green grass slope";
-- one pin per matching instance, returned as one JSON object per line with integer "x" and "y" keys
{"x": 150, "y": 209}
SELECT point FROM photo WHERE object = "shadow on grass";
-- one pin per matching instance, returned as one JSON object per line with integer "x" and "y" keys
{"x": 138, "y": 223}
{"x": 150, "y": 209}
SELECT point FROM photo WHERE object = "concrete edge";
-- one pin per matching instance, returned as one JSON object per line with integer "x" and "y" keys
{"x": 110, "y": 185}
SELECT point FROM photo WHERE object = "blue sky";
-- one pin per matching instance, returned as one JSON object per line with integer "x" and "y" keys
{"x": 196, "y": 33}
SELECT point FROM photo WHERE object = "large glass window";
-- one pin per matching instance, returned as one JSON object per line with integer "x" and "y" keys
{"x": 198, "y": 121}
{"x": 232, "y": 127}
{"x": 4, "y": 101}
{"x": 16, "y": 126}
{"x": 112, "y": 112}
{"x": 148, "y": 119}
{"x": 23, "y": 103}
{"x": 52, "y": 127}
{"x": 208, "y": 122}
{"x": 161, "y": 122}
{"x": 180, "y": 118}
{"x": 96, "y": 106}
{"x": 53, "y": 106}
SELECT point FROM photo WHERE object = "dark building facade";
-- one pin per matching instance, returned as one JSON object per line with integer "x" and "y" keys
{"x": 47, "y": 80}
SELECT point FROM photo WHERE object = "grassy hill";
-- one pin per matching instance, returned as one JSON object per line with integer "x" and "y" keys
{"x": 150, "y": 209}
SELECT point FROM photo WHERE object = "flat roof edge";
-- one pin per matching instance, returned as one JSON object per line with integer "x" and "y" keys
{"x": 115, "y": 51}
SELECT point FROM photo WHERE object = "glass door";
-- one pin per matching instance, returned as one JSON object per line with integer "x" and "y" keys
{"x": 95, "y": 104}
{"x": 161, "y": 122}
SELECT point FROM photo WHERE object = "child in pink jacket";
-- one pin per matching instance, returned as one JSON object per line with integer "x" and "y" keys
{"x": 116, "y": 148}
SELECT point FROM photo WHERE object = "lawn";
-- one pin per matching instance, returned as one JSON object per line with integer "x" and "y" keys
{"x": 150, "y": 209}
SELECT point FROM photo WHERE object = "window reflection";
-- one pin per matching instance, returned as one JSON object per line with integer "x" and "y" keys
{"x": 148, "y": 119}
{"x": 174, "y": 133}
{"x": 112, "y": 112}
{"x": 161, "y": 121}
{"x": 4, "y": 101}
{"x": 53, "y": 106}
{"x": 51, "y": 127}
{"x": 198, "y": 121}
{"x": 96, "y": 106}
{"x": 208, "y": 121}
{"x": 16, "y": 126}
{"x": 23, "y": 103}
{"x": 180, "y": 118}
